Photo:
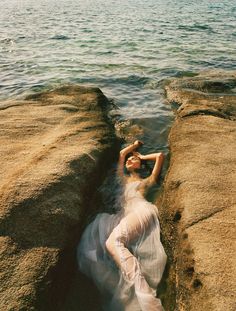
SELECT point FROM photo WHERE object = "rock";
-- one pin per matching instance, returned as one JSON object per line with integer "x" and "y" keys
{"x": 198, "y": 204}
{"x": 55, "y": 147}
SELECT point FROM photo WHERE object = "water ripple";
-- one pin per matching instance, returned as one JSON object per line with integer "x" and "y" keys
{"x": 60, "y": 37}
{"x": 125, "y": 47}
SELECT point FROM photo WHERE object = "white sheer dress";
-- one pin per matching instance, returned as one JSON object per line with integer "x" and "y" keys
{"x": 123, "y": 255}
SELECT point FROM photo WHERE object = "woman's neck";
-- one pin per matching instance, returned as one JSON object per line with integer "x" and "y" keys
{"x": 134, "y": 175}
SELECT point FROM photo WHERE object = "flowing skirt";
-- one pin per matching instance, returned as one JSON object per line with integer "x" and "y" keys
{"x": 123, "y": 255}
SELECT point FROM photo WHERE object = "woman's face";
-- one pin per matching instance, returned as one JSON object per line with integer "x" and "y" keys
{"x": 133, "y": 162}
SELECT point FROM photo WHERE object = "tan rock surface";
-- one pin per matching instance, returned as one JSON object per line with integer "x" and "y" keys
{"x": 199, "y": 201}
{"x": 54, "y": 147}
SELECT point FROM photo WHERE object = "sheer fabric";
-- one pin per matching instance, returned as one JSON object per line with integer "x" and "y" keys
{"x": 124, "y": 256}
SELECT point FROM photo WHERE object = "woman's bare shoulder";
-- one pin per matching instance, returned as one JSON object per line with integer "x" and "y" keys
{"x": 146, "y": 182}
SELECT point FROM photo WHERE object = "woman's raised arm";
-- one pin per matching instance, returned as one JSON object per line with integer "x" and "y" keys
{"x": 123, "y": 154}
{"x": 159, "y": 159}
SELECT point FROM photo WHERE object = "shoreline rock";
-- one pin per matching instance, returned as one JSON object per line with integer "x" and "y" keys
{"x": 55, "y": 148}
{"x": 198, "y": 203}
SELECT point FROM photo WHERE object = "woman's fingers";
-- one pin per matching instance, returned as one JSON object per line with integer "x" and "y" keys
{"x": 137, "y": 154}
{"x": 138, "y": 143}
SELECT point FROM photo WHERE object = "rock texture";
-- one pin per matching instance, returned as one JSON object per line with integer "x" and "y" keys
{"x": 199, "y": 201}
{"x": 54, "y": 147}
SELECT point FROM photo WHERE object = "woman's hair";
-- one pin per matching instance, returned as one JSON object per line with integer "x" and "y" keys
{"x": 144, "y": 171}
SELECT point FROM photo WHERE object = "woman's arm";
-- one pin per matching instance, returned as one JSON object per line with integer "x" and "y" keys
{"x": 159, "y": 159}
{"x": 123, "y": 154}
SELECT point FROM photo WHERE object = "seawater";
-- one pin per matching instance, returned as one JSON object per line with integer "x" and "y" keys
{"x": 124, "y": 47}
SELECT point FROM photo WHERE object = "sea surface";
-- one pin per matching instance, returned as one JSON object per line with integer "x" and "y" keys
{"x": 126, "y": 48}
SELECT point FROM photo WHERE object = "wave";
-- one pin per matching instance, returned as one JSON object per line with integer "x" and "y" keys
{"x": 60, "y": 37}
{"x": 196, "y": 27}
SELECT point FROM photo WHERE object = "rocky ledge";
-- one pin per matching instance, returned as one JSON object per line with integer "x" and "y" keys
{"x": 55, "y": 147}
{"x": 199, "y": 200}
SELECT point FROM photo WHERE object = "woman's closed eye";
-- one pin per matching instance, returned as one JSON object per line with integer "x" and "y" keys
{"x": 134, "y": 158}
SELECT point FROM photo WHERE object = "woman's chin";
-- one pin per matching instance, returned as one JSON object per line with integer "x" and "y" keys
{"x": 129, "y": 169}
{"x": 132, "y": 168}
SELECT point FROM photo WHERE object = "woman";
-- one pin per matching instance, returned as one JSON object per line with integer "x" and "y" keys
{"x": 122, "y": 252}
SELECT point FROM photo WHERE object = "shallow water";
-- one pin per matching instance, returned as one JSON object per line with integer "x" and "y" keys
{"x": 124, "y": 47}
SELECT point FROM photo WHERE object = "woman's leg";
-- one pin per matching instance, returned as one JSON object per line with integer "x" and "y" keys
{"x": 129, "y": 229}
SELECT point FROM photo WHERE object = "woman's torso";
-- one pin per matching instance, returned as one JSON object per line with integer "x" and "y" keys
{"x": 134, "y": 197}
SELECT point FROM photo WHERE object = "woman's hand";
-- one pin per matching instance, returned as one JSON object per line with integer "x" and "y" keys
{"x": 124, "y": 152}
{"x": 137, "y": 154}
{"x": 138, "y": 143}
{"x": 130, "y": 148}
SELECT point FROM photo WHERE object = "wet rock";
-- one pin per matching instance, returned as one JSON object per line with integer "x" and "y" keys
{"x": 55, "y": 147}
{"x": 128, "y": 130}
{"x": 199, "y": 197}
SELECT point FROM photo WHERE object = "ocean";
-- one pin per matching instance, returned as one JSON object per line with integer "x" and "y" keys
{"x": 127, "y": 48}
